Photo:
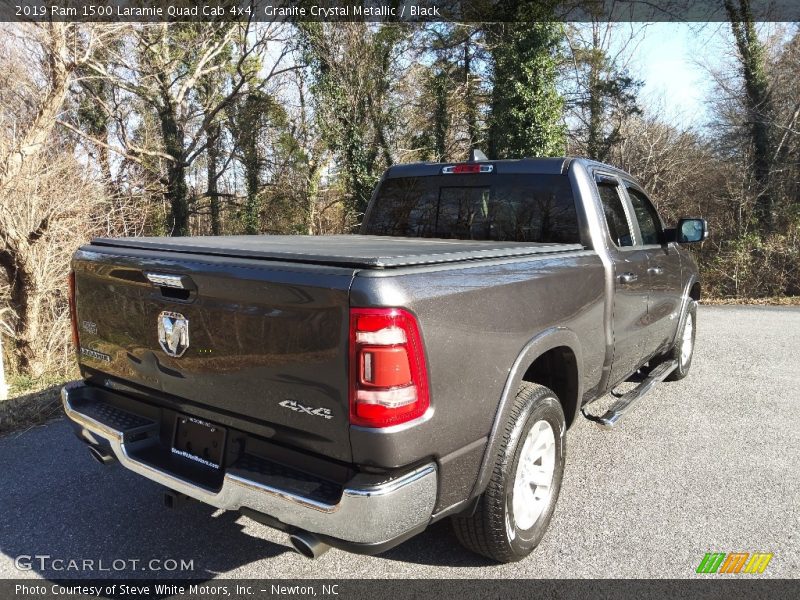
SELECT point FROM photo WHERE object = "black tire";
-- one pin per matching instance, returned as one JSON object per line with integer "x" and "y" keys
{"x": 492, "y": 530}
{"x": 675, "y": 353}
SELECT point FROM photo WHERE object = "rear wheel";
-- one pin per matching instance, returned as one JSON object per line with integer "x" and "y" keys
{"x": 513, "y": 513}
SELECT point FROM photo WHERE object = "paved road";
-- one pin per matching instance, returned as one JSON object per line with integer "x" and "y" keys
{"x": 707, "y": 464}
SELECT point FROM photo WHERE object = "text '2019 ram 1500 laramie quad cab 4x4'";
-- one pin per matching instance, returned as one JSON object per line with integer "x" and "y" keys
{"x": 352, "y": 390}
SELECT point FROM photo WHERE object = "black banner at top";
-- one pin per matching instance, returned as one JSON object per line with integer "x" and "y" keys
{"x": 411, "y": 11}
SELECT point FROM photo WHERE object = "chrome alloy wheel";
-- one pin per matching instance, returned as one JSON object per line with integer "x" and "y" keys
{"x": 686, "y": 342}
{"x": 534, "y": 477}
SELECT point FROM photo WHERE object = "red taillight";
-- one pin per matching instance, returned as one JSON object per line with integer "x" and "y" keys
{"x": 388, "y": 376}
{"x": 73, "y": 315}
{"x": 467, "y": 168}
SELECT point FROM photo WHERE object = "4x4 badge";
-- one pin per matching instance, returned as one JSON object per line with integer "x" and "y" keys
{"x": 325, "y": 413}
{"x": 173, "y": 333}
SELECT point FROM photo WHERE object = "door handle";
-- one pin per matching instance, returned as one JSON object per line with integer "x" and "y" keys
{"x": 655, "y": 271}
{"x": 628, "y": 278}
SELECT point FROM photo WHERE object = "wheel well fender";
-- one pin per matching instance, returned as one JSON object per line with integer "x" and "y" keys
{"x": 691, "y": 292}
{"x": 557, "y": 347}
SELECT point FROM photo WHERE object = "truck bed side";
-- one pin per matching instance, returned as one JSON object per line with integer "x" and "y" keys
{"x": 476, "y": 319}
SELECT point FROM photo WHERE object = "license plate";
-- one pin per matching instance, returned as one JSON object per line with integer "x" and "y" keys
{"x": 199, "y": 441}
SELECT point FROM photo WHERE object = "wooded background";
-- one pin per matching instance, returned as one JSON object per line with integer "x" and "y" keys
{"x": 229, "y": 128}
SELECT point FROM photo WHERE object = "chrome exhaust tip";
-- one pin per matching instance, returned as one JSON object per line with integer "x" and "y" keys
{"x": 308, "y": 544}
{"x": 101, "y": 456}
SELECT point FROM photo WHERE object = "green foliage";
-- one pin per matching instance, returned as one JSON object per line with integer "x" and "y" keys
{"x": 753, "y": 266}
{"x": 351, "y": 68}
{"x": 760, "y": 109}
{"x": 370, "y": 97}
{"x": 606, "y": 96}
{"x": 450, "y": 100}
{"x": 527, "y": 110}
{"x": 434, "y": 140}
{"x": 23, "y": 383}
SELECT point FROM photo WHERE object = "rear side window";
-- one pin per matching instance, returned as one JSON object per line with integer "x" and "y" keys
{"x": 518, "y": 208}
{"x": 646, "y": 215}
{"x": 616, "y": 218}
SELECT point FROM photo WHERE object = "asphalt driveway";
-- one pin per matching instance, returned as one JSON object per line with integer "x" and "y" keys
{"x": 711, "y": 463}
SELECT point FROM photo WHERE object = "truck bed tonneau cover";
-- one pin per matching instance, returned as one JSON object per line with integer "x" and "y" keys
{"x": 360, "y": 251}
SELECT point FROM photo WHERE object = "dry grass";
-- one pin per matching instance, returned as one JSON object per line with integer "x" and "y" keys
{"x": 770, "y": 301}
{"x": 31, "y": 403}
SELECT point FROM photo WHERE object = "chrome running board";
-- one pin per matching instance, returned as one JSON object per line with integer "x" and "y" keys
{"x": 626, "y": 402}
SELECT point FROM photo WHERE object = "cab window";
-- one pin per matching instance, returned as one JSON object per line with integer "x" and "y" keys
{"x": 614, "y": 211}
{"x": 499, "y": 207}
{"x": 647, "y": 217}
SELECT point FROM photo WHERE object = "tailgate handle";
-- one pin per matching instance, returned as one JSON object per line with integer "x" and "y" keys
{"x": 178, "y": 287}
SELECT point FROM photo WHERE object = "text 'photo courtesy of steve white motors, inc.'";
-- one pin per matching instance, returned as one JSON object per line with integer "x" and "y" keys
{"x": 138, "y": 590}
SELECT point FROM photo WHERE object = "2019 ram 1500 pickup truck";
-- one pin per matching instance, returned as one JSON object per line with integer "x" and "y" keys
{"x": 351, "y": 390}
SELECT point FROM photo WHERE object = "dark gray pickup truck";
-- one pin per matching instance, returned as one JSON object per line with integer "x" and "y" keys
{"x": 352, "y": 390}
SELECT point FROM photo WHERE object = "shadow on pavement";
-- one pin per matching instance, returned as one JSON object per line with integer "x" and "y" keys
{"x": 64, "y": 506}
{"x": 436, "y": 546}
{"x": 61, "y": 505}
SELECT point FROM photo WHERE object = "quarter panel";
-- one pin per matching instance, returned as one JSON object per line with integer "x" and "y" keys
{"x": 547, "y": 340}
{"x": 475, "y": 319}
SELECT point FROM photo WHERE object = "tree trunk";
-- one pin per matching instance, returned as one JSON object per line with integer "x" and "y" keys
{"x": 34, "y": 138}
{"x": 251, "y": 208}
{"x": 594, "y": 143}
{"x": 105, "y": 165}
{"x": 760, "y": 112}
{"x": 251, "y": 218}
{"x": 177, "y": 196}
{"x": 251, "y": 163}
{"x": 26, "y": 304}
{"x": 441, "y": 120}
{"x": 312, "y": 194}
{"x": 469, "y": 98}
{"x": 177, "y": 193}
{"x": 212, "y": 153}
{"x": 24, "y": 296}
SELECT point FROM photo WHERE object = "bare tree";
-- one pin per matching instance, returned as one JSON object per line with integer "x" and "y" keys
{"x": 165, "y": 68}
{"x": 41, "y": 186}
{"x": 59, "y": 50}
{"x": 600, "y": 92}
{"x": 354, "y": 71}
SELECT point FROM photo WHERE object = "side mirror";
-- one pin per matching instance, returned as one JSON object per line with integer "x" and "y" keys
{"x": 691, "y": 231}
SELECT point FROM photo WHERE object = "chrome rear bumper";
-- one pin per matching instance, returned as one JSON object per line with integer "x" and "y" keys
{"x": 365, "y": 514}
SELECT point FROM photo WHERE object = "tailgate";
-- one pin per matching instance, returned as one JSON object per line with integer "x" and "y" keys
{"x": 256, "y": 340}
